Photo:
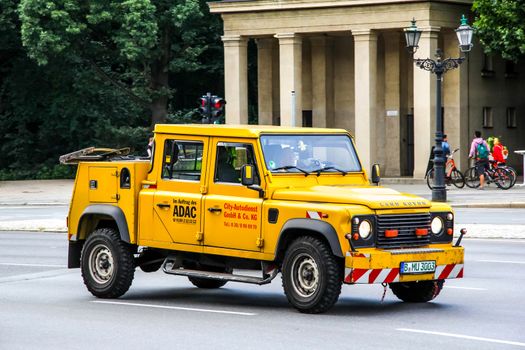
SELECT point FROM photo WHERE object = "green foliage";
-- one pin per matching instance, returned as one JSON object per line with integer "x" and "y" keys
{"x": 133, "y": 44}
{"x": 89, "y": 79}
{"x": 500, "y": 26}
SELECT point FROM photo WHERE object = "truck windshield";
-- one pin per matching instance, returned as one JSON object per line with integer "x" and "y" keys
{"x": 309, "y": 153}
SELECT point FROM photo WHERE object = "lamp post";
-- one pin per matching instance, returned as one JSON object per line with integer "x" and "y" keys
{"x": 439, "y": 66}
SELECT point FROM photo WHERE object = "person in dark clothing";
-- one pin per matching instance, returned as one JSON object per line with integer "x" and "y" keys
{"x": 225, "y": 172}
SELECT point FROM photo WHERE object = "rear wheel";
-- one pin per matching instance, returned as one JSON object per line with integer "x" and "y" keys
{"x": 417, "y": 292}
{"x": 457, "y": 178}
{"x": 107, "y": 264}
{"x": 312, "y": 276}
{"x": 471, "y": 177}
{"x": 430, "y": 178}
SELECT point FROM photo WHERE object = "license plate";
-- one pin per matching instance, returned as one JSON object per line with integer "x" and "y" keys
{"x": 415, "y": 267}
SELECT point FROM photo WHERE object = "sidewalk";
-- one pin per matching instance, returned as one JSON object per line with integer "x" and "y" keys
{"x": 53, "y": 197}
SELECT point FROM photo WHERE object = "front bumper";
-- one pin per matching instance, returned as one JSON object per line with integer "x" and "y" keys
{"x": 382, "y": 266}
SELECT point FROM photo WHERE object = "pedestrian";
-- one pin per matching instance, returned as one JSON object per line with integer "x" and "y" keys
{"x": 150, "y": 147}
{"x": 497, "y": 152}
{"x": 445, "y": 146}
{"x": 479, "y": 150}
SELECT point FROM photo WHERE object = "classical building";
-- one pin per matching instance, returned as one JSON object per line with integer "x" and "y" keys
{"x": 343, "y": 64}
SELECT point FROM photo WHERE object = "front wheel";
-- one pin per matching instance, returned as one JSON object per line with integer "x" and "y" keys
{"x": 457, "y": 178}
{"x": 503, "y": 178}
{"x": 417, "y": 292}
{"x": 312, "y": 276}
{"x": 107, "y": 264}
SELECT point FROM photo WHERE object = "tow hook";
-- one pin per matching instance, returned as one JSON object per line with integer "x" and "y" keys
{"x": 463, "y": 232}
{"x": 348, "y": 236}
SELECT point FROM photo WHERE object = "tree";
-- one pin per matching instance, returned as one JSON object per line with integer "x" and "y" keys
{"x": 131, "y": 44}
{"x": 500, "y": 26}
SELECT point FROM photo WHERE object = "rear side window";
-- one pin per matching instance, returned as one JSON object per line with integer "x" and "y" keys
{"x": 182, "y": 160}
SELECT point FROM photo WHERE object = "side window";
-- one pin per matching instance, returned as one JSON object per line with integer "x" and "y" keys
{"x": 182, "y": 160}
{"x": 230, "y": 158}
{"x": 125, "y": 178}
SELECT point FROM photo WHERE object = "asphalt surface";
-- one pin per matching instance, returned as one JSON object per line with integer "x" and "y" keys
{"x": 45, "y": 306}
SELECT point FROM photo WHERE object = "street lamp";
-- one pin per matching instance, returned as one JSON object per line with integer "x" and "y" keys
{"x": 439, "y": 66}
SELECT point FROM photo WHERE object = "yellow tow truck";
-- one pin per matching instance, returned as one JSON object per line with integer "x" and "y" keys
{"x": 214, "y": 200}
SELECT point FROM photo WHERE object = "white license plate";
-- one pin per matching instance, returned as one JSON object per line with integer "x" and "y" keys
{"x": 414, "y": 267}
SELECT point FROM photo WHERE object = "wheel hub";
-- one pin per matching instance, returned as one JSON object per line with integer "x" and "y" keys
{"x": 101, "y": 264}
{"x": 305, "y": 277}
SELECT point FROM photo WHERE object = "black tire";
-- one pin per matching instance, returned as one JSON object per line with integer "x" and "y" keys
{"x": 107, "y": 264}
{"x": 457, "y": 178}
{"x": 430, "y": 178}
{"x": 471, "y": 177}
{"x": 503, "y": 178}
{"x": 514, "y": 174}
{"x": 312, "y": 276}
{"x": 417, "y": 292}
{"x": 207, "y": 283}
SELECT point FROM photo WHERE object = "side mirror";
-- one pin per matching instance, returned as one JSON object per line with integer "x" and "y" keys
{"x": 247, "y": 175}
{"x": 376, "y": 174}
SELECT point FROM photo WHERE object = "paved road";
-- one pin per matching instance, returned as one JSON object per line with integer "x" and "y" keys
{"x": 43, "y": 306}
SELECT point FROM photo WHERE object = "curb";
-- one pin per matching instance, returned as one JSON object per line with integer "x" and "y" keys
{"x": 507, "y": 205}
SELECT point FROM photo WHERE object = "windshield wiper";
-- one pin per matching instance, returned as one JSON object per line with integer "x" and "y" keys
{"x": 318, "y": 171}
{"x": 288, "y": 167}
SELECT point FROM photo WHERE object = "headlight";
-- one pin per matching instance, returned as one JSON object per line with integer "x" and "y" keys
{"x": 450, "y": 216}
{"x": 436, "y": 225}
{"x": 365, "y": 229}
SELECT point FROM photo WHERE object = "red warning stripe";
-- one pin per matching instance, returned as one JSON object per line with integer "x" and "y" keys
{"x": 446, "y": 271}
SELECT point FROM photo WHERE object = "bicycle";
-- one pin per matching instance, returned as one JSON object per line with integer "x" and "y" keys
{"x": 511, "y": 170}
{"x": 502, "y": 177}
{"x": 452, "y": 175}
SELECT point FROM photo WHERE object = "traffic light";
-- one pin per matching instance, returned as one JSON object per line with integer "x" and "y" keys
{"x": 217, "y": 108}
{"x": 205, "y": 108}
{"x": 211, "y": 108}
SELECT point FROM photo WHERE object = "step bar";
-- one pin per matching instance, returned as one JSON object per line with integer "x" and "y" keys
{"x": 270, "y": 272}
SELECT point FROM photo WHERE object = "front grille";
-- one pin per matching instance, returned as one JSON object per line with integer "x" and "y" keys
{"x": 406, "y": 225}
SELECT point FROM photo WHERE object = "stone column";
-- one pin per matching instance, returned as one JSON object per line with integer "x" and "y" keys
{"x": 455, "y": 101}
{"x": 290, "y": 76}
{"x": 424, "y": 103}
{"x": 264, "y": 80}
{"x": 322, "y": 81}
{"x": 365, "y": 62}
{"x": 392, "y": 105}
{"x": 236, "y": 78}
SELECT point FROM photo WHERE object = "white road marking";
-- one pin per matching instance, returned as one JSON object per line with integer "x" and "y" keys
{"x": 452, "y": 335}
{"x": 175, "y": 308}
{"x": 31, "y": 265}
{"x": 501, "y": 261}
{"x": 467, "y": 288}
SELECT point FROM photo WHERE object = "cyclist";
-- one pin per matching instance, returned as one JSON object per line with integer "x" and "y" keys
{"x": 445, "y": 146}
{"x": 497, "y": 152}
{"x": 479, "y": 150}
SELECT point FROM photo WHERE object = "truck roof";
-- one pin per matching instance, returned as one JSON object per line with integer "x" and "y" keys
{"x": 251, "y": 131}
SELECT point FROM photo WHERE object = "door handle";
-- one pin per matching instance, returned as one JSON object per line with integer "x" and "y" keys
{"x": 163, "y": 205}
{"x": 214, "y": 210}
